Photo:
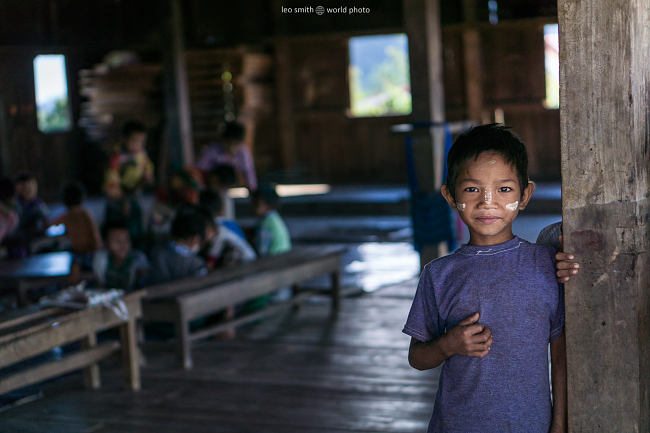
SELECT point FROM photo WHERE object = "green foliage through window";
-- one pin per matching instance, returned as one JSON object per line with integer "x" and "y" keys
{"x": 379, "y": 75}
{"x": 52, "y": 106}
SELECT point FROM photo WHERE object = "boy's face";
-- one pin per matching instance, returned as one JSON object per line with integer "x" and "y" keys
{"x": 488, "y": 198}
{"x": 210, "y": 232}
{"x": 27, "y": 189}
{"x": 260, "y": 207}
{"x": 135, "y": 142}
{"x": 30, "y": 190}
{"x": 118, "y": 243}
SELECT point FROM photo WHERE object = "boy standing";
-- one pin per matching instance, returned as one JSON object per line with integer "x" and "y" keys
{"x": 131, "y": 169}
{"x": 489, "y": 310}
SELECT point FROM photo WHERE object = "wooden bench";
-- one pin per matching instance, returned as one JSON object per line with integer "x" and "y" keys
{"x": 184, "y": 300}
{"x": 31, "y": 331}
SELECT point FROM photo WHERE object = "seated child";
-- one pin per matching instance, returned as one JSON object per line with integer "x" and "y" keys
{"x": 272, "y": 235}
{"x": 229, "y": 245}
{"x": 220, "y": 179}
{"x": 81, "y": 230}
{"x": 179, "y": 258}
{"x": 183, "y": 190}
{"x": 80, "y": 227}
{"x": 126, "y": 209}
{"x": 119, "y": 266}
{"x": 8, "y": 215}
{"x": 31, "y": 209}
{"x": 490, "y": 309}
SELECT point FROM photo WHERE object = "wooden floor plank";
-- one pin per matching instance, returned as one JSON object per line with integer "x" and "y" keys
{"x": 306, "y": 371}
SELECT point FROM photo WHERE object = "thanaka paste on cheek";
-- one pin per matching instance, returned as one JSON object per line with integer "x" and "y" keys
{"x": 460, "y": 206}
{"x": 492, "y": 161}
{"x": 513, "y": 206}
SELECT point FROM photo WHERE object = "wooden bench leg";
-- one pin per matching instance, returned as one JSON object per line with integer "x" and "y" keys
{"x": 130, "y": 354}
{"x": 92, "y": 378}
{"x": 336, "y": 289}
{"x": 183, "y": 342}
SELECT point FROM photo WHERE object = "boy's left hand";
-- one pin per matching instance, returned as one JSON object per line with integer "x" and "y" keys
{"x": 565, "y": 266}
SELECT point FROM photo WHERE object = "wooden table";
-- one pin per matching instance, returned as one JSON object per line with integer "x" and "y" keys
{"x": 31, "y": 331}
{"x": 35, "y": 271}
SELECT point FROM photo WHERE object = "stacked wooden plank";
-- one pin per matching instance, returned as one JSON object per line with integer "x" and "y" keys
{"x": 215, "y": 94}
{"x": 115, "y": 95}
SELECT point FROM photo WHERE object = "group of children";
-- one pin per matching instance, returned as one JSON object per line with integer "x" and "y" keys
{"x": 186, "y": 234}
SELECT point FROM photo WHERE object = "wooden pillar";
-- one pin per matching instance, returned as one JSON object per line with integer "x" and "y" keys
{"x": 605, "y": 133}
{"x": 422, "y": 22}
{"x": 472, "y": 64}
{"x": 178, "y": 121}
{"x": 285, "y": 82}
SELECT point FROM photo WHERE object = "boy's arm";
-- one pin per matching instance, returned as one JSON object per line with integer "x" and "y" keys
{"x": 558, "y": 380}
{"x": 467, "y": 338}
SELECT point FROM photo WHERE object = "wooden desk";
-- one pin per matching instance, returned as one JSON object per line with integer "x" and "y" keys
{"x": 35, "y": 271}
{"x": 28, "y": 332}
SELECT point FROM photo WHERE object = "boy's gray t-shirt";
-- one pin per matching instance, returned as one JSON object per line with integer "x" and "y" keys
{"x": 514, "y": 288}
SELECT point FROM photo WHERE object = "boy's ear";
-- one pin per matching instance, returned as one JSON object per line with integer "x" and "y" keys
{"x": 447, "y": 195}
{"x": 527, "y": 194}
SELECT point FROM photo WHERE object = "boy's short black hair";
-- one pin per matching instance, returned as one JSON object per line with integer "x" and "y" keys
{"x": 266, "y": 194}
{"x": 225, "y": 174}
{"x": 73, "y": 194}
{"x": 211, "y": 201}
{"x": 7, "y": 189}
{"x": 24, "y": 177}
{"x": 207, "y": 216}
{"x": 133, "y": 126}
{"x": 487, "y": 138}
{"x": 114, "y": 224}
{"x": 233, "y": 131}
{"x": 187, "y": 223}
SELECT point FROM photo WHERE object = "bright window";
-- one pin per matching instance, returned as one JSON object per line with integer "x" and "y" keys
{"x": 379, "y": 76}
{"x": 552, "y": 66}
{"x": 52, "y": 106}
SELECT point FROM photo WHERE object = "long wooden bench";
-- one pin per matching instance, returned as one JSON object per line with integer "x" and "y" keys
{"x": 32, "y": 331}
{"x": 182, "y": 301}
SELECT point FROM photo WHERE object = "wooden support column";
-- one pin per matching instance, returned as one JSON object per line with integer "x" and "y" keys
{"x": 422, "y": 22}
{"x": 605, "y": 133}
{"x": 285, "y": 83}
{"x": 472, "y": 64}
{"x": 178, "y": 121}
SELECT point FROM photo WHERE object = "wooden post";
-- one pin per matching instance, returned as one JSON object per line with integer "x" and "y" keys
{"x": 472, "y": 64}
{"x": 183, "y": 342}
{"x": 284, "y": 79}
{"x": 92, "y": 379}
{"x": 130, "y": 354}
{"x": 605, "y": 132}
{"x": 178, "y": 119}
{"x": 422, "y": 22}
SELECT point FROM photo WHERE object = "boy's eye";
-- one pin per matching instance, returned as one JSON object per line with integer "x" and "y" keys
{"x": 505, "y": 189}
{"x": 471, "y": 189}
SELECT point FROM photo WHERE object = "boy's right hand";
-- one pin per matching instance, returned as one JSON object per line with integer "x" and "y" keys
{"x": 467, "y": 338}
